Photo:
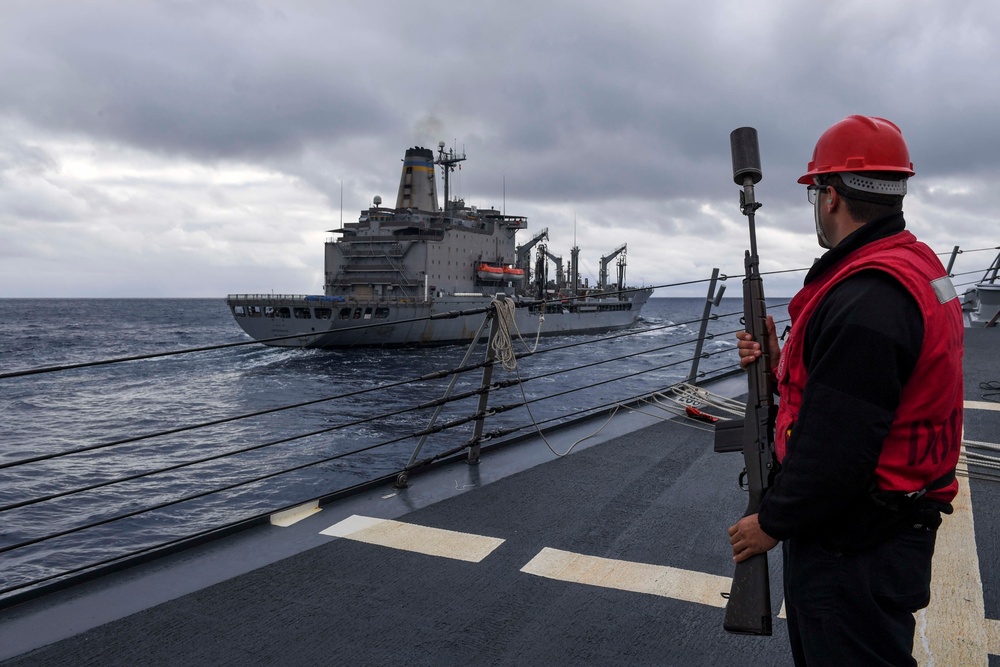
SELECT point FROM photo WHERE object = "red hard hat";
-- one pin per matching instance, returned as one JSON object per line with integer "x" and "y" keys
{"x": 858, "y": 144}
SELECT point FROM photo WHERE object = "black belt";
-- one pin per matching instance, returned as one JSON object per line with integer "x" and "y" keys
{"x": 939, "y": 483}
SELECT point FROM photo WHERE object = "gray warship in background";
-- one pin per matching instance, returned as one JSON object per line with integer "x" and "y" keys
{"x": 981, "y": 302}
{"x": 414, "y": 270}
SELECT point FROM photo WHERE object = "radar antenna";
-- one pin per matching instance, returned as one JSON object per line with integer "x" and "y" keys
{"x": 448, "y": 159}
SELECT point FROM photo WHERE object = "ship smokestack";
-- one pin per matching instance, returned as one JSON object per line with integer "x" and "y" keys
{"x": 417, "y": 186}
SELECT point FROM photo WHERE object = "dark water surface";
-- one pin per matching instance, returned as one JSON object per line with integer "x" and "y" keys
{"x": 55, "y": 412}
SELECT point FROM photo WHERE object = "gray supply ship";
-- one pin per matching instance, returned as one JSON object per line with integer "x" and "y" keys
{"x": 410, "y": 275}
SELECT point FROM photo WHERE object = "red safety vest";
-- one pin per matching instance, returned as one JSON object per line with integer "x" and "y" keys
{"x": 924, "y": 440}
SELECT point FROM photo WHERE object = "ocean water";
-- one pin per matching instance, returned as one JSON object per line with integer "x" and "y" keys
{"x": 51, "y": 413}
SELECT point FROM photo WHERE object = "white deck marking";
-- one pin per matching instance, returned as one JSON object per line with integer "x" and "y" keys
{"x": 954, "y": 629}
{"x": 624, "y": 575}
{"x": 294, "y": 515}
{"x": 982, "y": 405}
{"x": 411, "y": 537}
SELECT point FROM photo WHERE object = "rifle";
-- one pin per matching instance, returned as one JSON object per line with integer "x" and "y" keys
{"x": 748, "y": 610}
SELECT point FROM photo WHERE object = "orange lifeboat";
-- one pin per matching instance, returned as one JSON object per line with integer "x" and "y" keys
{"x": 510, "y": 273}
{"x": 487, "y": 272}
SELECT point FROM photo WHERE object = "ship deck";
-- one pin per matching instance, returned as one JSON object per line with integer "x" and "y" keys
{"x": 613, "y": 555}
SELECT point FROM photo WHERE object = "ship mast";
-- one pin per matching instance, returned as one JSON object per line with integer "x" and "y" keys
{"x": 448, "y": 159}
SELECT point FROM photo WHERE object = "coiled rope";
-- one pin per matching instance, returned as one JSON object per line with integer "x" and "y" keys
{"x": 503, "y": 345}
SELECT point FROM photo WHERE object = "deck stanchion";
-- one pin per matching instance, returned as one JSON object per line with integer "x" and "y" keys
{"x": 484, "y": 397}
{"x": 403, "y": 478}
{"x": 712, "y": 299}
{"x": 951, "y": 262}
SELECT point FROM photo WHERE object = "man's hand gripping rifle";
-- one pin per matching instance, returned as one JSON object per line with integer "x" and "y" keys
{"x": 748, "y": 610}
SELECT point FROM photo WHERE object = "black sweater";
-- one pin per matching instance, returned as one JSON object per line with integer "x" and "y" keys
{"x": 860, "y": 347}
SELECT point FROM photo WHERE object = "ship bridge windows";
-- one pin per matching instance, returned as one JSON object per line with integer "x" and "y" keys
{"x": 282, "y": 312}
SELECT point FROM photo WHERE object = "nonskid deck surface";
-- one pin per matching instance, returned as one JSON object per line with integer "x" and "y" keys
{"x": 614, "y": 555}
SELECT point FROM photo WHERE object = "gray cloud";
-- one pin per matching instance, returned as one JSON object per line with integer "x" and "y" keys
{"x": 173, "y": 78}
{"x": 607, "y": 110}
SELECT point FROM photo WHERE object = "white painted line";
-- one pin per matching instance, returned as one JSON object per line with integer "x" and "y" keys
{"x": 982, "y": 405}
{"x": 623, "y": 575}
{"x": 954, "y": 630}
{"x": 352, "y": 524}
{"x": 411, "y": 537}
{"x": 288, "y": 517}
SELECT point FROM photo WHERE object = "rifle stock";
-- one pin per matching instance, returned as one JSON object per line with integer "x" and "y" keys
{"x": 748, "y": 610}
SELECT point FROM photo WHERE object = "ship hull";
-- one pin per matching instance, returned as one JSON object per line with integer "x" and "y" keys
{"x": 327, "y": 322}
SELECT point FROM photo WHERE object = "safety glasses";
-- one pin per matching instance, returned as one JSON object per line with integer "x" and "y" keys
{"x": 813, "y": 190}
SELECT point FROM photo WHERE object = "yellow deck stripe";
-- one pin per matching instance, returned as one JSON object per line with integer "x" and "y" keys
{"x": 411, "y": 537}
{"x": 623, "y": 575}
{"x": 294, "y": 515}
{"x": 993, "y": 636}
{"x": 954, "y": 630}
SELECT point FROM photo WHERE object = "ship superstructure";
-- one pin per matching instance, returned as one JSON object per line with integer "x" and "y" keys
{"x": 417, "y": 249}
{"x": 981, "y": 302}
{"x": 399, "y": 267}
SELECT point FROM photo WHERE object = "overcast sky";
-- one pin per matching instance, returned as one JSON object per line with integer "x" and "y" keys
{"x": 194, "y": 148}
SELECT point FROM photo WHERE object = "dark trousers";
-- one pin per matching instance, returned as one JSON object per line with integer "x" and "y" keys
{"x": 856, "y": 608}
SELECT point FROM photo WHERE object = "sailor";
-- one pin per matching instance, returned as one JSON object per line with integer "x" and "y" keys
{"x": 870, "y": 416}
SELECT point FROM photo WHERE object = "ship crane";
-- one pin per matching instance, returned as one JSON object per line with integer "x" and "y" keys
{"x": 559, "y": 267}
{"x": 620, "y": 250}
{"x": 541, "y": 272}
{"x": 574, "y": 270}
{"x": 524, "y": 252}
